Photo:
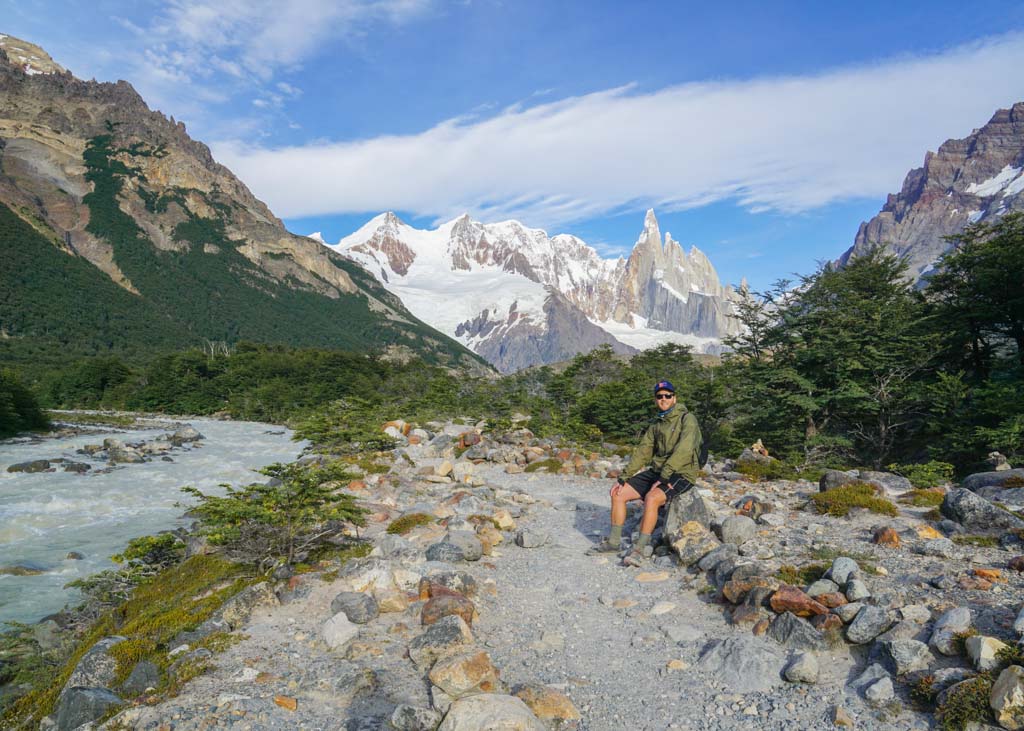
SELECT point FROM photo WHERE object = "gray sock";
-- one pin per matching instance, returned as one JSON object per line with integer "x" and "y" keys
{"x": 615, "y": 537}
{"x": 642, "y": 541}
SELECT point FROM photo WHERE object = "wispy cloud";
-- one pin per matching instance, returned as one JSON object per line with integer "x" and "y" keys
{"x": 783, "y": 143}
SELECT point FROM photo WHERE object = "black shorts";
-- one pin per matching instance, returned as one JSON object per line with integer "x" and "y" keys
{"x": 642, "y": 482}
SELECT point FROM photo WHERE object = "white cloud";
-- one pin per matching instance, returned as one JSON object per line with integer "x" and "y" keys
{"x": 782, "y": 143}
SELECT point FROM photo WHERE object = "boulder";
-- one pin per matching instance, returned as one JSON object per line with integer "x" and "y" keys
{"x": 468, "y": 542}
{"x": 990, "y": 479}
{"x": 413, "y": 718}
{"x": 870, "y": 622}
{"x": 549, "y": 705}
{"x": 835, "y": 478}
{"x": 144, "y": 675}
{"x": 803, "y": 668}
{"x": 338, "y": 630}
{"x": 820, "y": 587}
{"x": 792, "y": 631}
{"x": 891, "y": 484}
{"x": 186, "y": 434}
{"x": 907, "y": 655}
{"x": 982, "y": 652}
{"x": 737, "y": 529}
{"x": 81, "y": 705}
{"x": 456, "y": 581}
{"x": 684, "y": 508}
{"x": 950, "y": 624}
{"x": 358, "y": 607}
{"x": 97, "y": 668}
{"x": 880, "y": 692}
{"x": 465, "y": 673}
{"x": 490, "y": 711}
{"x": 1007, "y": 698}
{"x": 35, "y": 465}
{"x": 856, "y": 590}
{"x": 691, "y": 542}
{"x": 841, "y": 569}
{"x": 446, "y": 605}
{"x": 790, "y": 599}
{"x": 445, "y": 637}
{"x": 447, "y": 552}
{"x": 976, "y": 514}
{"x": 530, "y": 538}
{"x": 743, "y": 664}
{"x": 728, "y": 550}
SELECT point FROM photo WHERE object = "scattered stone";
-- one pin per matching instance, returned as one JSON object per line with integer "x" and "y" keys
{"x": 692, "y": 541}
{"x": 857, "y": 590}
{"x": 847, "y": 612}
{"x": 926, "y": 532}
{"x": 821, "y": 586}
{"x": 446, "y": 605}
{"x": 840, "y": 717}
{"x": 803, "y": 668}
{"x": 412, "y": 718}
{"x": 548, "y": 704}
{"x": 446, "y": 552}
{"x": 466, "y": 541}
{"x": 870, "y": 622}
{"x": 80, "y": 705}
{"x": 465, "y": 673}
{"x": 681, "y": 633}
{"x": 982, "y": 652}
{"x": 791, "y": 631}
{"x": 21, "y": 570}
{"x": 841, "y": 569}
{"x": 833, "y": 599}
{"x": 338, "y": 630}
{"x": 35, "y": 465}
{"x": 880, "y": 692}
{"x": 445, "y": 637}
{"x": 358, "y": 607}
{"x": 975, "y": 513}
{"x": 946, "y": 628}
{"x": 286, "y": 702}
{"x": 825, "y": 622}
{"x": 503, "y": 519}
{"x": 1007, "y": 698}
{"x": 490, "y": 711}
{"x": 649, "y": 577}
{"x": 737, "y": 529}
{"x": 939, "y": 547}
{"x": 907, "y": 655}
{"x": 790, "y": 599}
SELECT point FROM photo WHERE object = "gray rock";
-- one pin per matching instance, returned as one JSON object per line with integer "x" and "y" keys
{"x": 890, "y": 483}
{"x": 989, "y": 479}
{"x": 360, "y": 608}
{"x": 459, "y": 581}
{"x": 686, "y": 507}
{"x": 338, "y": 630}
{"x": 446, "y": 636}
{"x": 841, "y": 569}
{"x": 951, "y": 623}
{"x": 80, "y": 705}
{"x": 834, "y": 478}
{"x": 681, "y": 633}
{"x": 445, "y": 551}
{"x": 803, "y": 668}
{"x": 857, "y": 590}
{"x": 711, "y": 560}
{"x": 737, "y": 529}
{"x": 743, "y": 664}
{"x": 983, "y": 652}
{"x": 976, "y": 514}
{"x": 97, "y": 668}
{"x": 1006, "y": 697}
{"x": 871, "y": 674}
{"x": 880, "y": 692}
{"x": 77, "y": 467}
{"x": 907, "y": 655}
{"x": 144, "y": 675}
{"x": 916, "y": 613}
{"x": 185, "y": 434}
{"x": 870, "y": 622}
{"x": 467, "y": 541}
{"x": 775, "y": 520}
{"x": 791, "y": 631}
{"x": 411, "y": 718}
{"x": 35, "y": 465}
{"x": 847, "y": 612}
{"x": 821, "y": 586}
{"x": 529, "y": 538}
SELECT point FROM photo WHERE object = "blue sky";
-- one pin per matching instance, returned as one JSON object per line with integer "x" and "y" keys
{"x": 763, "y": 133}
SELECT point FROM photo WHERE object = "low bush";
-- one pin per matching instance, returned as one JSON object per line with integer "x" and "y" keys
{"x": 803, "y": 575}
{"x": 966, "y": 704}
{"x": 840, "y": 500}
{"x": 970, "y": 539}
{"x": 548, "y": 465}
{"x": 928, "y": 474}
{"x": 923, "y": 498}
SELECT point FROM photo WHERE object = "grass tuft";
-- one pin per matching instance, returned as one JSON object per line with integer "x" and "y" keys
{"x": 548, "y": 465}
{"x": 839, "y": 501}
{"x": 923, "y": 498}
{"x": 803, "y": 575}
{"x": 968, "y": 539}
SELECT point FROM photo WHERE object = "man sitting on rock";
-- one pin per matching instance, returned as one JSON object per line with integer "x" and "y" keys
{"x": 669, "y": 457}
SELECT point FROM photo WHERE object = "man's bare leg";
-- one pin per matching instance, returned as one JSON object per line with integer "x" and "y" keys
{"x": 620, "y": 495}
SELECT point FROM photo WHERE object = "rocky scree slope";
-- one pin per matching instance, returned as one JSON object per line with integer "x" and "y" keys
{"x": 519, "y": 297}
{"x": 167, "y": 244}
{"x": 482, "y": 610}
{"x": 977, "y": 178}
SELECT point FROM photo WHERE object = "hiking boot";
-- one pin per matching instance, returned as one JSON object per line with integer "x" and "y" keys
{"x": 603, "y": 547}
{"x": 638, "y": 557}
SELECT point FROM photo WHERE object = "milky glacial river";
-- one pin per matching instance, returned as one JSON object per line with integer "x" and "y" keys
{"x": 45, "y": 515}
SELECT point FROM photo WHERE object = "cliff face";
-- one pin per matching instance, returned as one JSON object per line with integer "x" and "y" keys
{"x": 94, "y": 171}
{"x": 973, "y": 179}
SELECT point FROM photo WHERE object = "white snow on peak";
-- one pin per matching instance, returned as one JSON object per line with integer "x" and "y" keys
{"x": 1001, "y": 181}
{"x": 1015, "y": 186}
{"x": 316, "y": 236}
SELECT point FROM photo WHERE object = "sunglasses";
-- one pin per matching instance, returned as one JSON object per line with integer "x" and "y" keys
{"x": 664, "y": 396}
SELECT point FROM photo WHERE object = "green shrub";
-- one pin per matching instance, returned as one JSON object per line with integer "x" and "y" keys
{"x": 772, "y": 470}
{"x": 923, "y": 498}
{"x": 967, "y": 703}
{"x": 923, "y": 691}
{"x": 262, "y": 524}
{"x": 163, "y": 549}
{"x": 548, "y": 465}
{"x": 838, "y": 501}
{"x": 404, "y": 524}
{"x": 928, "y": 474}
{"x": 969, "y": 539}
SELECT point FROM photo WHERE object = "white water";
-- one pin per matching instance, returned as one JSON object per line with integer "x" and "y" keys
{"x": 45, "y": 515}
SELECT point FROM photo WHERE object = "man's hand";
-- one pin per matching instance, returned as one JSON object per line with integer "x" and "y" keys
{"x": 617, "y": 487}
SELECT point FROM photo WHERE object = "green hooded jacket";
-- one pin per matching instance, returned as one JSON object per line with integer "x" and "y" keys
{"x": 671, "y": 445}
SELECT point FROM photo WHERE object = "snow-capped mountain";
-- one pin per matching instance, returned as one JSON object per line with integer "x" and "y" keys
{"x": 519, "y": 297}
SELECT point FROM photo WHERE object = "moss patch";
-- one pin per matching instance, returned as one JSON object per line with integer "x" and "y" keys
{"x": 839, "y": 501}
{"x": 401, "y": 526}
{"x": 548, "y": 465}
{"x": 803, "y": 575}
{"x": 923, "y": 498}
{"x": 968, "y": 539}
